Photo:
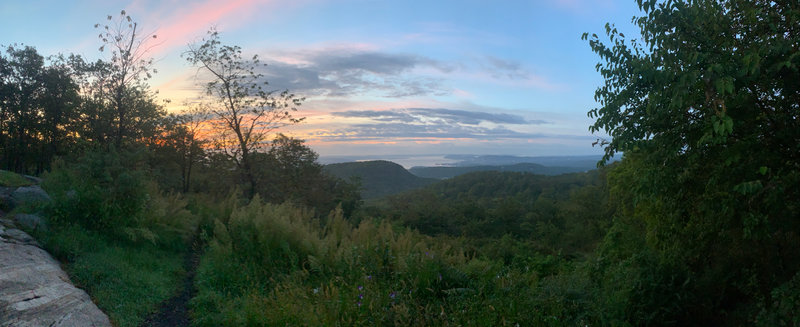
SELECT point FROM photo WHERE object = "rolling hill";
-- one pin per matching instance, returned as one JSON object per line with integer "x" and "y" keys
{"x": 449, "y": 172}
{"x": 378, "y": 178}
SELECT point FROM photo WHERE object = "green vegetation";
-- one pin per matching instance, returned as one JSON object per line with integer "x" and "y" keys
{"x": 127, "y": 280}
{"x": 378, "y": 178}
{"x": 117, "y": 235}
{"x": 273, "y": 265}
{"x": 10, "y": 179}
{"x": 696, "y": 225}
{"x": 568, "y": 213}
{"x": 705, "y": 109}
{"x": 450, "y": 172}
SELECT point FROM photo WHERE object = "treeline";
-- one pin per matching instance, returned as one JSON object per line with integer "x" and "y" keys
{"x": 65, "y": 107}
{"x": 56, "y": 106}
{"x": 567, "y": 213}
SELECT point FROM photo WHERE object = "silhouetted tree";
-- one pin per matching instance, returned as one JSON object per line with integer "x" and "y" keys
{"x": 244, "y": 112}
{"x": 127, "y": 69}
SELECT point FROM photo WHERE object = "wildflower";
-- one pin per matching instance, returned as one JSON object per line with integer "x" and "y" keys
{"x": 359, "y": 303}
{"x": 392, "y": 294}
{"x": 316, "y": 290}
{"x": 360, "y": 287}
{"x": 369, "y": 277}
{"x": 361, "y": 296}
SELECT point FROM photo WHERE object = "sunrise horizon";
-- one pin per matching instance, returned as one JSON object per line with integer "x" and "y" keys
{"x": 505, "y": 79}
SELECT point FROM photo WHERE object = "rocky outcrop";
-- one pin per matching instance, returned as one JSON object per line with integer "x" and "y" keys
{"x": 34, "y": 291}
{"x": 29, "y": 195}
{"x": 30, "y": 221}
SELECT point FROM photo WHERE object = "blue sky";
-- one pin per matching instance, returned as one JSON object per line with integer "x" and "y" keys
{"x": 380, "y": 77}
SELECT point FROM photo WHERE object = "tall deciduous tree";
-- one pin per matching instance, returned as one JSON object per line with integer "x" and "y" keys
{"x": 38, "y": 109}
{"x": 244, "y": 112}
{"x": 129, "y": 66}
{"x": 707, "y": 110}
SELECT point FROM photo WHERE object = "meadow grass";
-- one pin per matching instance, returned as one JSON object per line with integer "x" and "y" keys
{"x": 276, "y": 265}
{"x": 127, "y": 280}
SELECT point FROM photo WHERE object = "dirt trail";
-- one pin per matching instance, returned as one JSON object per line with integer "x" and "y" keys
{"x": 175, "y": 311}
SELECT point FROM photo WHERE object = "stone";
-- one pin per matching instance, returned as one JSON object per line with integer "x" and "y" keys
{"x": 34, "y": 291}
{"x": 30, "y": 221}
{"x": 29, "y": 195}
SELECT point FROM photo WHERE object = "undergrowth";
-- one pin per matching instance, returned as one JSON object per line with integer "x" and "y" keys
{"x": 270, "y": 265}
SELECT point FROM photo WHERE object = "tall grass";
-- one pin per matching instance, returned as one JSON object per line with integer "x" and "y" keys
{"x": 116, "y": 235}
{"x": 270, "y": 265}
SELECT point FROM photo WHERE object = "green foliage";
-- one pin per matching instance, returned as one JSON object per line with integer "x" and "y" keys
{"x": 289, "y": 172}
{"x": 244, "y": 112}
{"x": 705, "y": 110}
{"x": 100, "y": 191}
{"x": 38, "y": 105}
{"x": 110, "y": 193}
{"x": 127, "y": 280}
{"x": 567, "y": 212}
{"x": 450, "y": 172}
{"x": 116, "y": 235}
{"x": 782, "y": 306}
{"x": 378, "y": 178}
{"x": 277, "y": 265}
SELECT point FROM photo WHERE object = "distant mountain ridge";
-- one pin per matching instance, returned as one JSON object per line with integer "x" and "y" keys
{"x": 379, "y": 177}
{"x": 452, "y": 171}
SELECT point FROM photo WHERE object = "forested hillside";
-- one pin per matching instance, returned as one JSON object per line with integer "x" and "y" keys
{"x": 568, "y": 213}
{"x": 377, "y": 178}
{"x": 213, "y": 210}
{"x": 448, "y": 172}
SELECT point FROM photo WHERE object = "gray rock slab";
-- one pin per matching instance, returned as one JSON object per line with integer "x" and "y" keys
{"x": 29, "y": 195}
{"x": 30, "y": 221}
{"x": 34, "y": 291}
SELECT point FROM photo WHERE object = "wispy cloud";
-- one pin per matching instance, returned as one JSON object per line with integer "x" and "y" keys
{"x": 504, "y": 68}
{"x": 343, "y": 72}
{"x": 437, "y": 115}
{"x": 426, "y": 124}
{"x": 178, "y": 25}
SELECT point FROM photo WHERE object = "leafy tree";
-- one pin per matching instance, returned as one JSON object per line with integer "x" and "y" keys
{"x": 21, "y": 86}
{"x": 289, "y": 172}
{"x": 705, "y": 108}
{"x": 179, "y": 142}
{"x": 244, "y": 112}
{"x": 38, "y": 109}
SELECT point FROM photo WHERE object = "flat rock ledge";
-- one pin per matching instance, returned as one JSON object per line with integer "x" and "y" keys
{"x": 34, "y": 291}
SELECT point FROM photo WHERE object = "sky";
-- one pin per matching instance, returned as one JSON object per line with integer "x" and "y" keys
{"x": 429, "y": 77}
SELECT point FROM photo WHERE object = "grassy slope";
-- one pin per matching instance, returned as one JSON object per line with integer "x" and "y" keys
{"x": 9, "y": 179}
{"x": 127, "y": 280}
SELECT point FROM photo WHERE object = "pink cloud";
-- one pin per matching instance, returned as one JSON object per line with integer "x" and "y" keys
{"x": 187, "y": 27}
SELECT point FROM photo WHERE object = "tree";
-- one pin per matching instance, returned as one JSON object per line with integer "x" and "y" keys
{"x": 128, "y": 68}
{"x": 706, "y": 109}
{"x": 244, "y": 112}
{"x": 289, "y": 171}
{"x": 38, "y": 109}
{"x": 180, "y": 142}
{"x": 20, "y": 75}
